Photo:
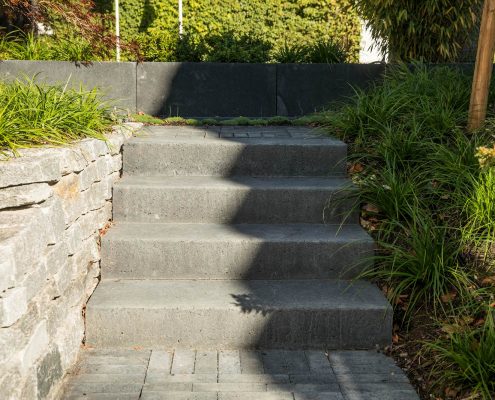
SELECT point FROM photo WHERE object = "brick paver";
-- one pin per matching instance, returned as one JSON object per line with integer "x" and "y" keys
{"x": 237, "y": 375}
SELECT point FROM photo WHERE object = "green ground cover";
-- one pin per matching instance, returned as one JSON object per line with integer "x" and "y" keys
{"x": 308, "y": 120}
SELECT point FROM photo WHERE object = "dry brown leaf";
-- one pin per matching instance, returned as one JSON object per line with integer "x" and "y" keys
{"x": 479, "y": 322}
{"x": 489, "y": 280}
{"x": 451, "y": 328}
{"x": 451, "y": 392}
{"x": 371, "y": 208}
{"x": 395, "y": 338}
{"x": 448, "y": 297}
{"x": 356, "y": 168}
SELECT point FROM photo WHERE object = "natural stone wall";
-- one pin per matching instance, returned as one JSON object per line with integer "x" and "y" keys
{"x": 54, "y": 203}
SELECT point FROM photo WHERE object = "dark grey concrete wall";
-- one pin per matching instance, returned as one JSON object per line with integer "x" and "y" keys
{"x": 306, "y": 88}
{"x": 117, "y": 81}
{"x": 208, "y": 89}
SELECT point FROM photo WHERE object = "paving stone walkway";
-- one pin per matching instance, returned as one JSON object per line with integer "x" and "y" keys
{"x": 237, "y": 375}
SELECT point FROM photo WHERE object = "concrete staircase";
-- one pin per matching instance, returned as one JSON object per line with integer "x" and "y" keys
{"x": 231, "y": 238}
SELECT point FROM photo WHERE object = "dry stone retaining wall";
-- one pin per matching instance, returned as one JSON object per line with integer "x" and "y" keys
{"x": 53, "y": 204}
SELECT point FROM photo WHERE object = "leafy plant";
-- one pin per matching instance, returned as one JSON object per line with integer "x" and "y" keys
{"x": 228, "y": 46}
{"x": 467, "y": 357}
{"x": 291, "y": 54}
{"x": 76, "y": 17}
{"x": 18, "y": 45}
{"x": 431, "y": 30}
{"x": 273, "y": 21}
{"x": 479, "y": 228}
{"x": 33, "y": 114}
{"x": 431, "y": 99}
{"x": 326, "y": 52}
{"x": 427, "y": 192}
{"x": 420, "y": 263}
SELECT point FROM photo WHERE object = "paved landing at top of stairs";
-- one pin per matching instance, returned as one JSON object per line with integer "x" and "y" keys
{"x": 234, "y": 151}
{"x": 237, "y": 375}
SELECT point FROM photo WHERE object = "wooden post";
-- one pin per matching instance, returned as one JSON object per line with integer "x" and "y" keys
{"x": 483, "y": 69}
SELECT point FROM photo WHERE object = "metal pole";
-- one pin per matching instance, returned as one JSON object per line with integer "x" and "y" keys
{"x": 117, "y": 29}
{"x": 180, "y": 18}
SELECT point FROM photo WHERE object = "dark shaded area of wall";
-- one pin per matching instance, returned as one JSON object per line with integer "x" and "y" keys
{"x": 210, "y": 89}
{"x": 206, "y": 89}
{"x": 250, "y": 90}
{"x": 307, "y": 88}
{"x": 117, "y": 81}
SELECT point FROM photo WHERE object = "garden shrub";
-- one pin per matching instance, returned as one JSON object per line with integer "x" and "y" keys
{"x": 319, "y": 52}
{"x": 426, "y": 30}
{"x": 226, "y": 30}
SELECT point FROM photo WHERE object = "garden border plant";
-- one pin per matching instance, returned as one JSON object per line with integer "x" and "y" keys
{"x": 33, "y": 114}
{"x": 428, "y": 192}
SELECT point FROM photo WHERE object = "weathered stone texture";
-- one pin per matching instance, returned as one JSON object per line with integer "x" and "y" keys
{"x": 53, "y": 203}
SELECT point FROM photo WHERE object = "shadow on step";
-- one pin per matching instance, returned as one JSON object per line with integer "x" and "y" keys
{"x": 292, "y": 294}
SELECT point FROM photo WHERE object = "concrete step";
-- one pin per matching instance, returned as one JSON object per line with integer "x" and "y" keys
{"x": 231, "y": 200}
{"x": 249, "y": 151}
{"x": 237, "y": 314}
{"x": 244, "y": 251}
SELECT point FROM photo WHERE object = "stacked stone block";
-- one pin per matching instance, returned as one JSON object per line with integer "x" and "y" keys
{"x": 53, "y": 204}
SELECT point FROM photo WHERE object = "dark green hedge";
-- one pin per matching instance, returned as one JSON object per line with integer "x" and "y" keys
{"x": 267, "y": 25}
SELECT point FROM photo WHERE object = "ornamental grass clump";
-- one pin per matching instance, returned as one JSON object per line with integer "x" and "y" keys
{"x": 426, "y": 191}
{"x": 466, "y": 357}
{"x": 33, "y": 114}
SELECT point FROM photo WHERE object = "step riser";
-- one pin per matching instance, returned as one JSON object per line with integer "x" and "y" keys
{"x": 239, "y": 205}
{"x": 155, "y": 259}
{"x": 229, "y": 159}
{"x": 232, "y": 329}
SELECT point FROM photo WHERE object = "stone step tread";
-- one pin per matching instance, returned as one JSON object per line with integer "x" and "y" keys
{"x": 210, "y": 232}
{"x": 150, "y": 250}
{"x": 245, "y": 296}
{"x": 236, "y": 183}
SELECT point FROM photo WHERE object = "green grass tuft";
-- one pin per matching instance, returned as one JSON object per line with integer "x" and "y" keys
{"x": 467, "y": 357}
{"x": 210, "y": 121}
{"x": 239, "y": 121}
{"x": 33, "y": 114}
{"x": 147, "y": 119}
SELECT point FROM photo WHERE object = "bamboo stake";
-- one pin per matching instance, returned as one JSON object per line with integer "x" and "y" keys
{"x": 483, "y": 69}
